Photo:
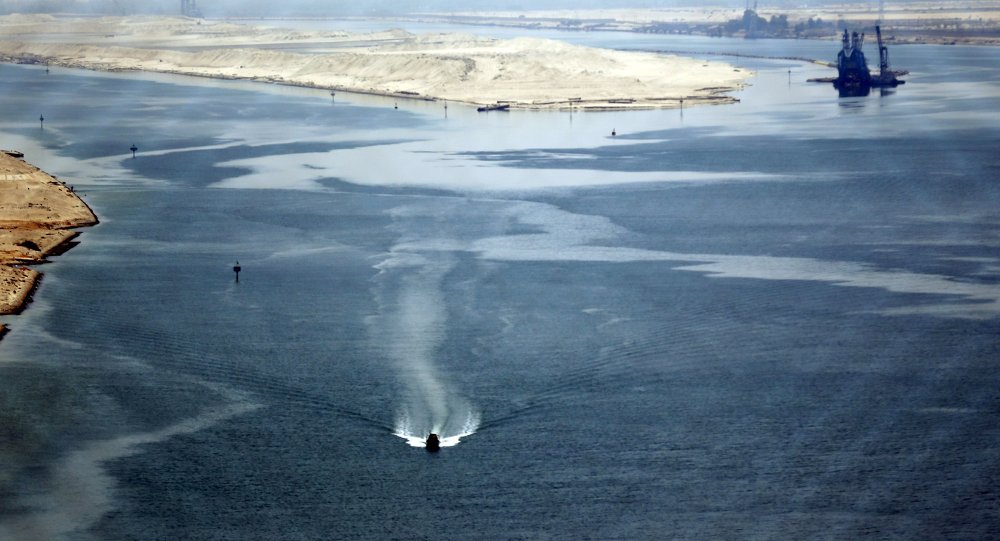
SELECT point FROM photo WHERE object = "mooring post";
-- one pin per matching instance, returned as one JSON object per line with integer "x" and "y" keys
{"x": 237, "y": 269}
{"x": 41, "y": 121}
{"x": 133, "y": 148}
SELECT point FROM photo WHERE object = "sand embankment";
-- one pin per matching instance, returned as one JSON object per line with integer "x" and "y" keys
{"x": 524, "y": 72}
{"x": 37, "y": 214}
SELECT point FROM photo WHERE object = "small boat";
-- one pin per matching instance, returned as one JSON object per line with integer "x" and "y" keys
{"x": 433, "y": 443}
{"x": 497, "y": 107}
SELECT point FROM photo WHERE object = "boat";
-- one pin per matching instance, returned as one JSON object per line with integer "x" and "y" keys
{"x": 433, "y": 443}
{"x": 495, "y": 107}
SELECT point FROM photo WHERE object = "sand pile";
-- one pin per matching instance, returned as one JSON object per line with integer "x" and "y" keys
{"x": 529, "y": 73}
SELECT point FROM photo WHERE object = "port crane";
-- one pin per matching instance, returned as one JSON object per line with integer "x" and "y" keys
{"x": 883, "y": 54}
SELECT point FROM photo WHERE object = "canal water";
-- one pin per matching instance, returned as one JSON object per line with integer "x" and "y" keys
{"x": 776, "y": 319}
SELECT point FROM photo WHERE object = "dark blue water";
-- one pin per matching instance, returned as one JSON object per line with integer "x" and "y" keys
{"x": 775, "y": 319}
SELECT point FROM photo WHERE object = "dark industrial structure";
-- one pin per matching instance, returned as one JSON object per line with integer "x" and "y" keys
{"x": 853, "y": 76}
{"x": 189, "y": 9}
{"x": 852, "y": 68}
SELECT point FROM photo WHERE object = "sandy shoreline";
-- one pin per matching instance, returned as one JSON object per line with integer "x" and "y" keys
{"x": 527, "y": 73}
{"x": 37, "y": 216}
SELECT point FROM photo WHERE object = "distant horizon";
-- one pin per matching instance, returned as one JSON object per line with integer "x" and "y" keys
{"x": 262, "y": 8}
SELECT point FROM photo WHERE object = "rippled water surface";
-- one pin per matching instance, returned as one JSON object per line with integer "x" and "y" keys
{"x": 776, "y": 319}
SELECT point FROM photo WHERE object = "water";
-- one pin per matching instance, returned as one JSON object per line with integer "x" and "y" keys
{"x": 775, "y": 319}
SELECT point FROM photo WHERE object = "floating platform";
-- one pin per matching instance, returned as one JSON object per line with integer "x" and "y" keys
{"x": 853, "y": 76}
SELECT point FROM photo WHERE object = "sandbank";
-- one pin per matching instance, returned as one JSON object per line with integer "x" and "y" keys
{"x": 37, "y": 217}
{"x": 525, "y": 73}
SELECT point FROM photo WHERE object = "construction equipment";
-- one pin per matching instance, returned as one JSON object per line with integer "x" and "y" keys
{"x": 853, "y": 77}
{"x": 886, "y": 77}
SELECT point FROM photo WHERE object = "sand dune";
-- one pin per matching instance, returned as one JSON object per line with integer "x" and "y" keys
{"x": 37, "y": 214}
{"x": 525, "y": 72}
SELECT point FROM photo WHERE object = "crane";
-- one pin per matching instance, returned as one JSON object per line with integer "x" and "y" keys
{"x": 883, "y": 55}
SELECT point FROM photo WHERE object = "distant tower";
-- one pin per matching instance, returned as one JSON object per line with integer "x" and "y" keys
{"x": 189, "y": 9}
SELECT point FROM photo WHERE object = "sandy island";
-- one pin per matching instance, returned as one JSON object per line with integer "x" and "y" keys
{"x": 526, "y": 73}
{"x": 37, "y": 215}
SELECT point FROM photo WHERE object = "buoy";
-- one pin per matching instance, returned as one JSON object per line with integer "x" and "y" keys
{"x": 237, "y": 268}
{"x": 41, "y": 121}
{"x": 613, "y": 132}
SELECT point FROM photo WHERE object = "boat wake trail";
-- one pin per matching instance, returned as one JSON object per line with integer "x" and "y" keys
{"x": 409, "y": 330}
{"x": 415, "y": 431}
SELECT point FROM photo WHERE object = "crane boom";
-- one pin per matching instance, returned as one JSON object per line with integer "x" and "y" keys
{"x": 883, "y": 53}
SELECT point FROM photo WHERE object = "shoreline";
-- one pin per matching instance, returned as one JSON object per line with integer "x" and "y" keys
{"x": 38, "y": 219}
{"x": 523, "y": 73}
{"x": 894, "y": 36}
{"x": 700, "y": 96}
{"x": 951, "y": 22}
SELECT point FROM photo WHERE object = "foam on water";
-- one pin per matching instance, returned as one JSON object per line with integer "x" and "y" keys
{"x": 411, "y": 325}
{"x": 451, "y": 433}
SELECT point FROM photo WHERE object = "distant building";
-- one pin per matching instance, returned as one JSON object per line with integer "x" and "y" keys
{"x": 190, "y": 9}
